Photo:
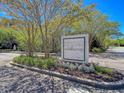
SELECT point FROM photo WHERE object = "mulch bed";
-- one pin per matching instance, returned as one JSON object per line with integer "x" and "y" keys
{"x": 101, "y": 77}
{"x": 111, "y": 77}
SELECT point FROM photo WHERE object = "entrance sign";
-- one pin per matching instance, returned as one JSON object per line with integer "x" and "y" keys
{"x": 75, "y": 48}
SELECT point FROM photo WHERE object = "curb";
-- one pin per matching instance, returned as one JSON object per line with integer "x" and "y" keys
{"x": 96, "y": 84}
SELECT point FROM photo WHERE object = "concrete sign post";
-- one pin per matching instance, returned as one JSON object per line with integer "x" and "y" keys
{"x": 75, "y": 48}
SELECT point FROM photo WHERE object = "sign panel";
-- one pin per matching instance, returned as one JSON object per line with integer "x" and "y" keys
{"x": 75, "y": 48}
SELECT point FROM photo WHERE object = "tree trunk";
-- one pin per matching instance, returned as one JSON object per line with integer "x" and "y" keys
{"x": 46, "y": 50}
{"x": 30, "y": 54}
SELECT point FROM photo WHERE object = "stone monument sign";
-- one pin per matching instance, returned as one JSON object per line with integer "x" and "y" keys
{"x": 75, "y": 48}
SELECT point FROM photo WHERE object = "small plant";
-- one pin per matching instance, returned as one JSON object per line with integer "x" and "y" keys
{"x": 98, "y": 50}
{"x": 86, "y": 68}
{"x": 103, "y": 70}
{"x": 48, "y": 63}
{"x": 72, "y": 67}
{"x": 39, "y": 64}
{"x": 80, "y": 68}
{"x": 36, "y": 61}
{"x": 65, "y": 65}
{"x": 92, "y": 69}
{"x": 59, "y": 64}
{"x": 45, "y": 66}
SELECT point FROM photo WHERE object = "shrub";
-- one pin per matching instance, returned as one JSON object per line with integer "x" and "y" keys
{"x": 80, "y": 67}
{"x": 48, "y": 63}
{"x": 88, "y": 68}
{"x": 103, "y": 70}
{"x": 64, "y": 64}
{"x": 72, "y": 67}
{"x": 98, "y": 50}
{"x": 36, "y": 61}
{"x": 39, "y": 63}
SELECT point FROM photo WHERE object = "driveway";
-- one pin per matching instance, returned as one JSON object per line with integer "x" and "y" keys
{"x": 5, "y": 58}
{"x": 113, "y": 58}
{"x": 116, "y": 49}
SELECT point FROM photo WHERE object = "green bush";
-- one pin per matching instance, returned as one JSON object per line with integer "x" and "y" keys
{"x": 103, "y": 70}
{"x": 36, "y": 61}
{"x": 48, "y": 63}
{"x": 98, "y": 50}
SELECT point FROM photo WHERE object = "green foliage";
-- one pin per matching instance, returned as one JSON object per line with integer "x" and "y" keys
{"x": 7, "y": 37}
{"x": 22, "y": 38}
{"x": 63, "y": 64}
{"x": 80, "y": 68}
{"x": 67, "y": 65}
{"x": 98, "y": 50}
{"x": 47, "y": 63}
{"x": 99, "y": 28}
{"x": 33, "y": 35}
{"x": 103, "y": 70}
{"x": 118, "y": 41}
{"x": 72, "y": 67}
{"x": 36, "y": 61}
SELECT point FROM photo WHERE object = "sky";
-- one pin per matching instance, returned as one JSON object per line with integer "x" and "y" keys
{"x": 113, "y": 8}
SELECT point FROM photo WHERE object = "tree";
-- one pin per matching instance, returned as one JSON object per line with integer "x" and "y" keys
{"x": 49, "y": 19}
{"x": 7, "y": 39}
{"x": 39, "y": 14}
{"x": 98, "y": 27}
{"x": 21, "y": 11}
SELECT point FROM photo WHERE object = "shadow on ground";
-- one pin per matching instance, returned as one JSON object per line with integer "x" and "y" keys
{"x": 17, "y": 81}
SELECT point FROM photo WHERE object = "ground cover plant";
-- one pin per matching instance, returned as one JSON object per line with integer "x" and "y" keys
{"x": 88, "y": 71}
{"x": 36, "y": 61}
{"x": 98, "y": 50}
{"x": 104, "y": 70}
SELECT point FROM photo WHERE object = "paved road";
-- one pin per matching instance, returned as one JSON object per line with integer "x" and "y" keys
{"x": 114, "y": 58}
{"x": 5, "y": 58}
{"x": 116, "y": 49}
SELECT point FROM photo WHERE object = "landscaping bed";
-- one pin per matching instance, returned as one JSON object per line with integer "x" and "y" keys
{"x": 87, "y": 71}
{"x": 110, "y": 77}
